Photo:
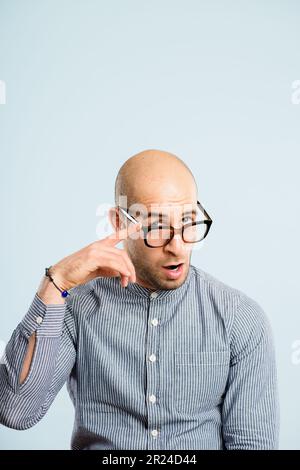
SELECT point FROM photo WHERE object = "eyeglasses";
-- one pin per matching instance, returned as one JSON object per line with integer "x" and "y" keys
{"x": 158, "y": 236}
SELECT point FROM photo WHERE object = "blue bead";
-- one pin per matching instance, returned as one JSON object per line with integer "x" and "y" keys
{"x": 64, "y": 293}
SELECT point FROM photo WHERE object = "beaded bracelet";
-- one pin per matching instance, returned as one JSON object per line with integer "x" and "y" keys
{"x": 64, "y": 293}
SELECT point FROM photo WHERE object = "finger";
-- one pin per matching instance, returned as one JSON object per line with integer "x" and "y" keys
{"x": 127, "y": 260}
{"x": 117, "y": 267}
{"x": 113, "y": 266}
{"x": 122, "y": 272}
{"x": 112, "y": 260}
{"x": 114, "y": 238}
{"x": 124, "y": 281}
{"x": 129, "y": 264}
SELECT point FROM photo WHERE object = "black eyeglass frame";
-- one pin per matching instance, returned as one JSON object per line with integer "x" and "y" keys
{"x": 207, "y": 222}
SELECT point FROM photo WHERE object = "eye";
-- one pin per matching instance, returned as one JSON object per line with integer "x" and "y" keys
{"x": 187, "y": 217}
{"x": 156, "y": 224}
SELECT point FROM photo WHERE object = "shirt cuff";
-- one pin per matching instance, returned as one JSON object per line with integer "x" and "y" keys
{"x": 45, "y": 320}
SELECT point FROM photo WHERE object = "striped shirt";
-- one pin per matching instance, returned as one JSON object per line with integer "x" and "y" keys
{"x": 186, "y": 368}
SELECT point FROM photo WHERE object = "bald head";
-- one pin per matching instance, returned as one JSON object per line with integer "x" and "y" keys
{"x": 156, "y": 185}
{"x": 153, "y": 174}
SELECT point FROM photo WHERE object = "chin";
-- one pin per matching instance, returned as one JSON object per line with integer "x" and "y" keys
{"x": 171, "y": 283}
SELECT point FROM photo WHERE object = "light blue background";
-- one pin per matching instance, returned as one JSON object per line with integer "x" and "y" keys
{"x": 90, "y": 83}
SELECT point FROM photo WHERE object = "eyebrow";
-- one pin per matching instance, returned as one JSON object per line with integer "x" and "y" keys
{"x": 165, "y": 216}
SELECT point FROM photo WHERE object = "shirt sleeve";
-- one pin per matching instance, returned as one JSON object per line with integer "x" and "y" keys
{"x": 23, "y": 405}
{"x": 250, "y": 412}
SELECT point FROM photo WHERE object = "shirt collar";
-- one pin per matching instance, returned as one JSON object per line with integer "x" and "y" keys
{"x": 141, "y": 291}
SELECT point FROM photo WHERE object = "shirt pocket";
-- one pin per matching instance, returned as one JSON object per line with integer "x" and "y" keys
{"x": 200, "y": 380}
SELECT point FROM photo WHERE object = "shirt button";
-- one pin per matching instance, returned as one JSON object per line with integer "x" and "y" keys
{"x": 152, "y": 358}
{"x": 39, "y": 320}
{"x": 153, "y": 295}
{"x": 154, "y": 432}
{"x": 154, "y": 321}
{"x": 152, "y": 398}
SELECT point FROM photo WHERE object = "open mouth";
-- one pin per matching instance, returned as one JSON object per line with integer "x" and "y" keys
{"x": 173, "y": 267}
{"x": 173, "y": 271}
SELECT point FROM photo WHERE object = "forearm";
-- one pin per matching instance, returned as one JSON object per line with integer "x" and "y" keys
{"x": 50, "y": 295}
{"x": 31, "y": 373}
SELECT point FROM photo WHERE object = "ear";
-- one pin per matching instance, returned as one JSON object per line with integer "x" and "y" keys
{"x": 114, "y": 218}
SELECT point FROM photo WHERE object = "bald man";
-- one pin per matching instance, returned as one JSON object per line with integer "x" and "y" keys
{"x": 156, "y": 353}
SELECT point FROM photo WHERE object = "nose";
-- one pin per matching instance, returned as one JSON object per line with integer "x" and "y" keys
{"x": 176, "y": 245}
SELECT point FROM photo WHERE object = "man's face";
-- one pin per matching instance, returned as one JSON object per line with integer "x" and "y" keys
{"x": 150, "y": 263}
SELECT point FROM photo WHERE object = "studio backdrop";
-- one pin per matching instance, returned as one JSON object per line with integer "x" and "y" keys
{"x": 86, "y": 84}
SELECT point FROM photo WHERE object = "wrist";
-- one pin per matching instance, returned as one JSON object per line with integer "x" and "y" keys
{"x": 57, "y": 279}
{"x": 48, "y": 293}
